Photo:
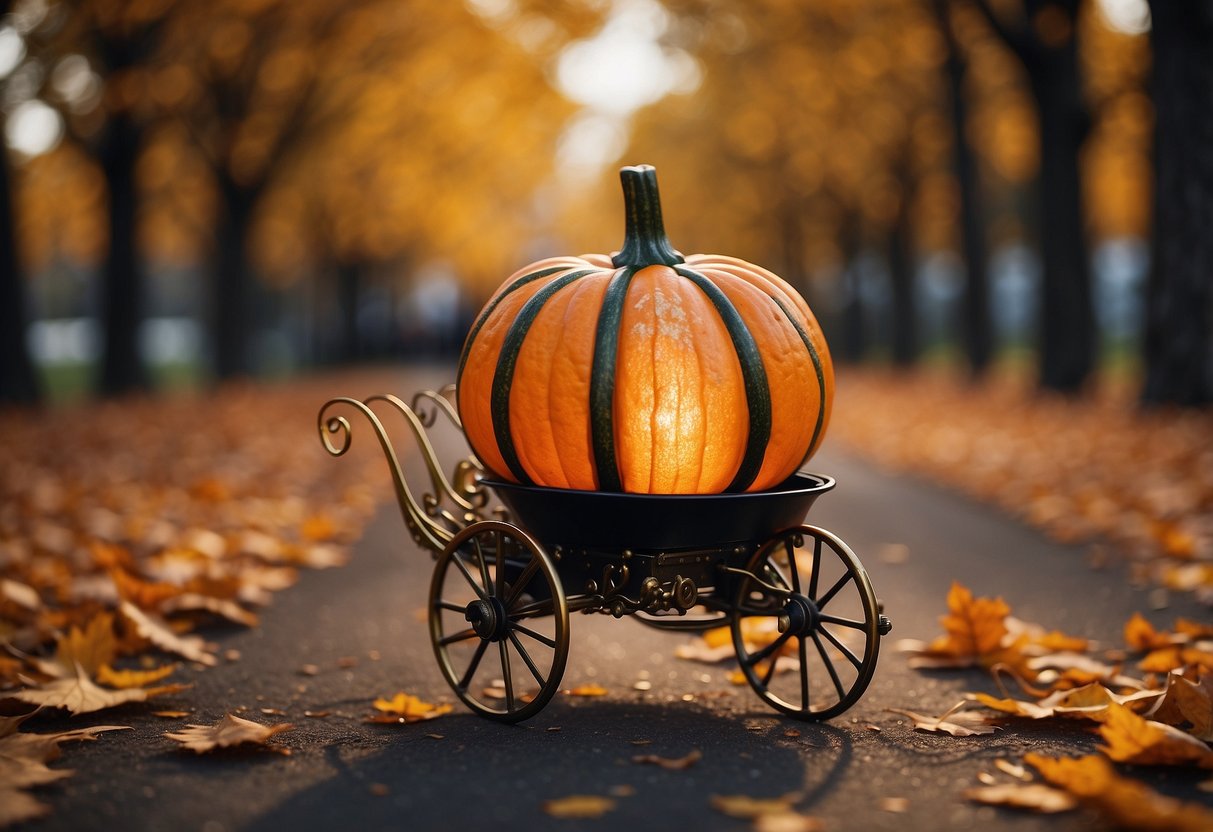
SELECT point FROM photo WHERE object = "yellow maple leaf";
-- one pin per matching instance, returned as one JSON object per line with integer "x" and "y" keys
{"x": 1141, "y": 635}
{"x": 744, "y": 806}
{"x": 974, "y": 626}
{"x": 588, "y": 689}
{"x": 405, "y": 706}
{"x": 79, "y": 695}
{"x": 1125, "y": 802}
{"x": 1134, "y": 739}
{"x": 579, "y": 806}
{"x": 90, "y": 648}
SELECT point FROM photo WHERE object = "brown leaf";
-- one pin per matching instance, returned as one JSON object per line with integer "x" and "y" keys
{"x": 579, "y": 806}
{"x": 17, "y": 806}
{"x": 674, "y": 764}
{"x": 1124, "y": 802}
{"x": 158, "y": 633}
{"x": 787, "y": 822}
{"x": 222, "y": 607}
{"x": 90, "y": 648}
{"x": 895, "y": 805}
{"x": 1141, "y": 635}
{"x": 1187, "y": 705}
{"x": 226, "y": 733}
{"x": 744, "y": 806}
{"x": 79, "y": 695}
{"x": 1133, "y": 739}
{"x": 956, "y": 722}
{"x": 1035, "y": 796}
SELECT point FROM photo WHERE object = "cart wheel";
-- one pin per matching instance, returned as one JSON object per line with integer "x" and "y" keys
{"x": 806, "y": 585}
{"x": 495, "y": 591}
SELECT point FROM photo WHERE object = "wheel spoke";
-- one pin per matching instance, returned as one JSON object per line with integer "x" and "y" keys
{"x": 843, "y": 622}
{"x": 523, "y": 580}
{"x": 842, "y": 648}
{"x": 532, "y": 610}
{"x": 462, "y": 635}
{"x": 789, "y": 545}
{"x": 505, "y": 675}
{"x": 482, "y": 562}
{"x": 830, "y": 667}
{"x": 448, "y": 605}
{"x": 458, "y": 561}
{"x": 825, "y": 599}
{"x": 754, "y": 658}
{"x": 802, "y": 649}
{"x": 539, "y": 637}
{"x": 471, "y": 671}
{"x": 498, "y": 541}
{"x": 816, "y": 567}
{"x": 770, "y": 672}
{"x": 526, "y": 657}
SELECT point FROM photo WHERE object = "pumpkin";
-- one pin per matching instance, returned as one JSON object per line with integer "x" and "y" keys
{"x": 646, "y": 372}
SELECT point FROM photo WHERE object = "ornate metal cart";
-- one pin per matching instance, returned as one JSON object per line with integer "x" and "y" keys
{"x": 693, "y": 563}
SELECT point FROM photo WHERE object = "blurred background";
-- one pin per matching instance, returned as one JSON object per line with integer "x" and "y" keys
{"x": 196, "y": 191}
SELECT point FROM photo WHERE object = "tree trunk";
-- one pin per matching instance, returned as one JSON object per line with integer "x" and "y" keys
{"x": 18, "y": 383}
{"x": 122, "y": 369}
{"x": 854, "y": 341}
{"x": 1067, "y": 337}
{"x": 232, "y": 300}
{"x": 1179, "y": 300}
{"x": 904, "y": 309}
{"x": 975, "y": 329}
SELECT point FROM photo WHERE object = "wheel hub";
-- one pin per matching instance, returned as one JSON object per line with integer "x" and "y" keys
{"x": 487, "y": 618}
{"x": 799, "y": 616}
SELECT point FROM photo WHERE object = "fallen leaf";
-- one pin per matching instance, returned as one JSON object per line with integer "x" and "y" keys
{"x": 171, "y": 714}
{"x": 1133, "y": 739}
{"x": 17, "y": 806}
{"x": 579, "y": 806}
{"x": 1035, "y": 796}
{"x": 158, "y": 633}
{"x": 133, "y": 678}
{"x": 895, "y": 805}
{"x": 23, "y": 759}
{"x": 675, "y": 764}
{"x": 744, "y": 806}
{"x": 1140, "y": 634}
{"x": 1123, "y": 801}
{"x": 228, "y": 732}
{"x": 1187, "y": 705}
{"x": 79, "y": 695}
{"x": 1015, "y": 770}
{"x": 589, "y": 689}
{"x": 956, "y": 722}
{"x": 90, "y": 648}
{"x": 223, "y": 607}
{"x": 406, "y": 708}
{"x": 787, "y": 822}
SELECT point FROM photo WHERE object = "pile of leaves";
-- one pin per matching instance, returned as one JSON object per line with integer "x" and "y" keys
{"x": 1151, "y": 704}
{"x": 1093, "y": 468}
{"x": 125, "y": 527}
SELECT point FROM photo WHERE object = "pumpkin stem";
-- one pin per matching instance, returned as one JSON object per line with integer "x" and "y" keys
{"x": 644, "y": 239}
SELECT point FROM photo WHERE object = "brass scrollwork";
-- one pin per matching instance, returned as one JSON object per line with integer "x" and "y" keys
{"x": 431, "y": 524}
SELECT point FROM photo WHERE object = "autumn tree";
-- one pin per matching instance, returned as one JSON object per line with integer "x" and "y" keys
{"x": 1042, "y": 35}
{"x": 1179, "y": 334}
{"x": 18, "y": 383}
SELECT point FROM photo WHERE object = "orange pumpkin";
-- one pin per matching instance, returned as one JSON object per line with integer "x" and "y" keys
{"x": 646, "y": 372}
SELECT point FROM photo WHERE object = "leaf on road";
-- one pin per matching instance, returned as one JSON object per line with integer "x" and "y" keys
{"x": 1133, "y": 739}
{"x": 1034, "y": 796}
{"x": 579, "y": 806}
{"x": 133, "y": 678}
{"x": 1141, "y": 635}
{"x": 955, "y": 721}
{"x": 406, "y": 708}
{"x": 1124, "y": 802}
{"x": 161, "y": 635}
{"x": 672, "y": 764}
{"x": 787, "y": 822}
{"x": 90, "y": 648}
{"x": 744, "y": 806}
{"x": 589, "y": 689}
{"x": 1187, "y": 705}
{"x": 222, "y": 607}
{"x": 1090, "y": 702}
{"x": 80, "y": 695}
{"x": 228, "y": 732}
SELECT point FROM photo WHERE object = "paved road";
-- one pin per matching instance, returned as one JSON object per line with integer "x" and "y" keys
{"x": 345, "y": 774}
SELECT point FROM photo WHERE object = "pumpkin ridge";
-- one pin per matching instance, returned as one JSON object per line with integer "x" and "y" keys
{"x": 507, "y": 359}
{"x": 491, "y": 306}
{"x": 821, "y": 379}
{"x": 602, "y": 381}
{"x": 754, "y": 377}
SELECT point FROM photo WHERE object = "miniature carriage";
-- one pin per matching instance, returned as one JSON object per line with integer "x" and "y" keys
{"x": 506, "y": 579}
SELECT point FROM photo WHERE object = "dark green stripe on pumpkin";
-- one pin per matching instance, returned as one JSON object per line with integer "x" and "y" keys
{"x": 753, "y": 375}
{"x": 488, "y": 310}
{"x": 821, "y": 377}
{"x": 507, "y": 359}
{"x": 602, "y": 381}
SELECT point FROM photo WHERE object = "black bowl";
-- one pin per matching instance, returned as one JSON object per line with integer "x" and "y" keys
{"x": 659, "y": 522}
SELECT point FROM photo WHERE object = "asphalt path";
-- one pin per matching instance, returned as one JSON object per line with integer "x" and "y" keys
{"x": 363, "y": 627}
